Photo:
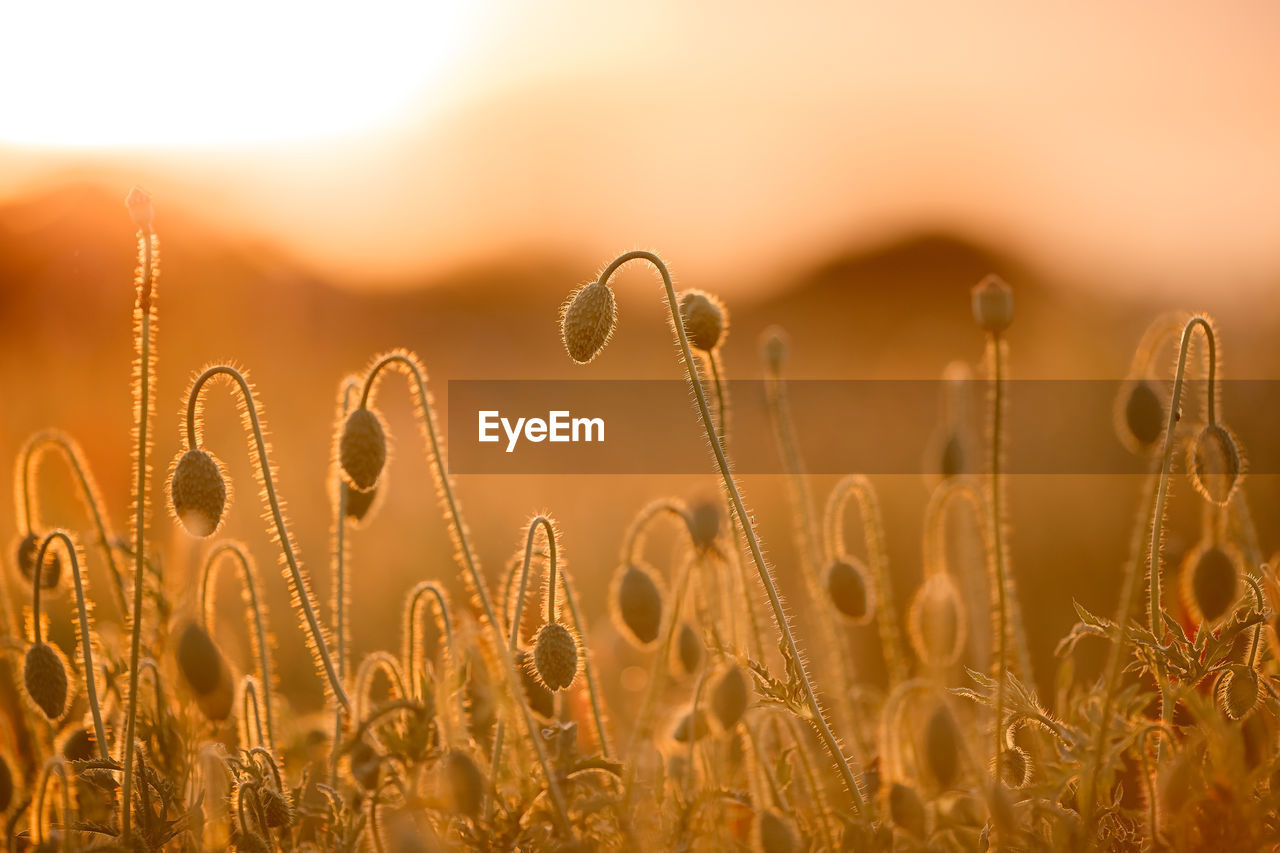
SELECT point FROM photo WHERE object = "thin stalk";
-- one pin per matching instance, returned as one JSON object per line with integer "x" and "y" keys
{"x": 1155, "y": 613}
{"x": 86, "y": 628}
{"x": 249, "y": 700}
{"x": 414, "y": 652}
{"x": 338, "y": 565}
{"x": 830, "y": 637}
{"x": 144, "y": 318}
{"x": 250, "y": 588}
{"x": 466, "y": 554}
{"x": 302, "y": 597}
{"x": 40, "y": 826}
{"x": 995, "y": 353}
{"x": 588, "y": 666}
{"x": 817, "y": 713}
{"x": 30, "y": 456}
{"x": 859, "y": 487}
{"x": 517, "y": 616}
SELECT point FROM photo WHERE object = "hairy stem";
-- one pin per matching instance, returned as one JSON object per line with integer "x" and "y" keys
{"x": 817, "y": 714}
{"x": 86, "y": 627}
{"x": 144, "y": 317}
{"x": 466, "y": 554}
{"x": 251, "y": 590}
{"x": 303, "y": 598}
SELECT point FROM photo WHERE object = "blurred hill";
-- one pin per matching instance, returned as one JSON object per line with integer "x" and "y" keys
{"x": 900, "y": 310}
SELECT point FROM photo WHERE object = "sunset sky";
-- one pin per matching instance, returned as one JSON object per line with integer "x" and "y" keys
{"x": 1105, "y": 143}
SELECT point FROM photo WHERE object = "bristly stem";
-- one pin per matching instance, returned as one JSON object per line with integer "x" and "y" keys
{"x": 833, "y": 641}
{"x": 30, "y": 455}
{"x": 338, "y": 564}
{"x": 817, "y": 713}
{"x": 466, "y": 554}
{"x": 251, "y": 591}
{"x": 995, "y": 352}
{"x": 588, "y": 667}
{"x": 303, "y": 598}
{"x": 1156, "y": 612}
{"x": 540, "y": 522}
{"x": 86, "y": 628}
{"x": 860, "y": 489}
{"x": 144, "y": 318}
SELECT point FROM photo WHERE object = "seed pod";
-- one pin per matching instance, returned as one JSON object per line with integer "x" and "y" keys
{"x": 365, "y": 765}
{"x": 1140, "y": 415}
{"x": 951, "y": 462}
{"x": 28, "y": 550}
{"x": 1211, "y": 581}
{"x": 850, "y": 593}
{"x": 705, "y": 525}
{"x": 704, "y": 319}
{"x": 729, "y": 697}
{"x": 204, "y": 669}
{"x": 6, "y": 784}
{"x": 541, "y": 700}
{"x": 773, "y": 833}
{"x": 691, "y": 727}
{"x": 1015, "y": 767}
{"x": 942, "y": 742}
{"x": 1214, "y": 464}
{"x": 358, "y": 503}
{"x": 636, "y": 604}
{"x": 1237, "y": 691}
{"x": 251, "y": 842}
{"x": 906, "y": 809}
{"x": 44, "y": 674}
{"x": 362, "y": 449}
{"x": 276, "y": 807}
{"x": 198, "y": 492}
{"x": 555, "y": 656}
{"x": 936, "y": 621}
{"x": 466, "y": 783}
{"x": 79, "y": 745}
{"x": 141, "y": 210}
{"x": 587, "y": 321}
{"x": 686, "y": 652}
{"x": 992, "y": 304}
{"x": 775, "y": 347}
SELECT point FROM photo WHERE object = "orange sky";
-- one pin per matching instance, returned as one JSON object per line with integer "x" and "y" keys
{"x": 1133, "y": 144}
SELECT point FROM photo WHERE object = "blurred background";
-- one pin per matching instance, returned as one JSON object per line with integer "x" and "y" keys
{"x": 332, "y": 184}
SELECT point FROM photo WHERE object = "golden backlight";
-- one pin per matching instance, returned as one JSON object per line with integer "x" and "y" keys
{"x": 152, "y": 73}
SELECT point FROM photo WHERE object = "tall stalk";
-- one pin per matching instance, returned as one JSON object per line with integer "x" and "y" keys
{"x": 144, "y": 322}
{"x": 816, "y": 713}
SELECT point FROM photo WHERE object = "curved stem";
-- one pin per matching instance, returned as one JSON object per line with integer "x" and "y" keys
{"x": 30, "y": 455}
{"x": 1260, "y": 602}
{"x": 251, "y": 591}
{"x": 466, "y": 554}
{"x": 633, "y": 538}
{"x": 39, "y": 824}
{"x": 376, "y": 662}
{"x": 144, "y": 317}
{"x": 414, "y": 652}
{"x": 86, "y": 629}
{"x": 1162, "y": 490}
{"x": 301, "y": 589}
{"x": 249, "y": 700}
{"x": 588, "y": 666}
{"x": 860, "y": 488}
{"x": 818, "y": 714}
{"x": 517, "y": 616}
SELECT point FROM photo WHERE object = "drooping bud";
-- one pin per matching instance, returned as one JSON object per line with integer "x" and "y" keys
{"x": 686, "y": 652}
{"x": 729, "y": 697}
{"x": 44, "y": 675}
{"x": 1237, "y": 691}
{"x": 1214, "y": 464}
{"x": 555, "y": 656}
{"x": 1140, "y": 415}
{"x": 362, "y": 449}
{"x": 773, "y": 833}
{"x": 636, "y": 604}
{"x": 198, "y": 492}
{"x": 1211, "y": 581}
{"x": 993, "y": 304}
{"x": 849, "y": 590}
{"x": 936, "y": 621}
{"x": 28, "y": 550}
{"x": 587, "y": 321}
{"x": 704, "y": 319}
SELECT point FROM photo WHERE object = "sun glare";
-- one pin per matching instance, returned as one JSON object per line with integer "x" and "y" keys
{"x": 192, "y": 74}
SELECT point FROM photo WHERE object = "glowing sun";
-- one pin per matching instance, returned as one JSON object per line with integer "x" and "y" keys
{"x": 197, "y": 74}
